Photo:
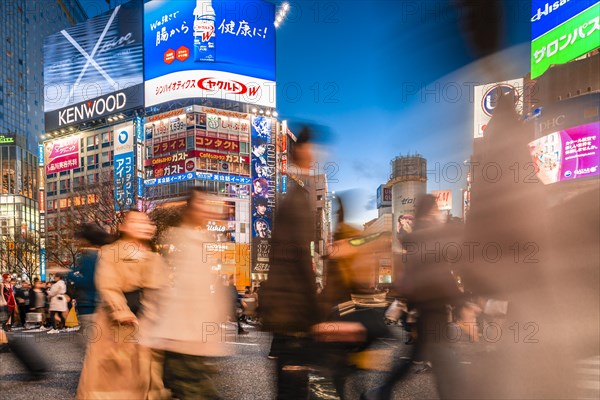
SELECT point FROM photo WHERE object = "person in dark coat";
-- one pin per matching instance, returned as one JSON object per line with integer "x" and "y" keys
{"x": 429, "y": 286}
{"x": 289, "y": 297}
{"x": 91, "y": 237}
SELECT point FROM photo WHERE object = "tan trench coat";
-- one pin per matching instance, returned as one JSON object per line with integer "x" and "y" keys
{"x": 116, "y": 366}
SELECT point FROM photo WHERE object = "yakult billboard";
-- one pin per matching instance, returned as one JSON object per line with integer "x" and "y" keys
{"x": 486, "y": 98}
{"x": 209, "y": 49}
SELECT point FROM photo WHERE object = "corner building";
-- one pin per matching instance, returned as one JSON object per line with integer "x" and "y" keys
{"x": 25, "y": 24}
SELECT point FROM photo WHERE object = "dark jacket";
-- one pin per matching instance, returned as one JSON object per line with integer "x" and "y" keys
{"x": 428, "y": 282}
{"x": 83, "y": 280}
{"x": 289, "y": 296}
{"x": 24, "y": 294}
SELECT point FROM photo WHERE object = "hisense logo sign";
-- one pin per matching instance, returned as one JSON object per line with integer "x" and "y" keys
{"x": 92, "y": 109}
{"x": 547, "y": 9}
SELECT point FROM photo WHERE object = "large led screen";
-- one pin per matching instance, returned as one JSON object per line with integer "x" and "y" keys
{"x": 567, "y": 154}
{"x": 209, "y": 49}
{"x": 94, "y": 68}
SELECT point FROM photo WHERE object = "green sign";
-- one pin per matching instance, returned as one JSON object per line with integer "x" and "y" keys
{"x": 567, "y": 41}
{"x": 6, "y": 139}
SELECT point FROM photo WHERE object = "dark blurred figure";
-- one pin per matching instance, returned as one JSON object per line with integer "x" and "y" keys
{"x": 90, "y": 238}
{"x": 289, "y": 296}
{"x": 429, "y": 286}
{"x": 534, "y": 357}
{"x": 236, "y": 303}
{"x": 23, "y": 297}
{"x": 348, "y": 272}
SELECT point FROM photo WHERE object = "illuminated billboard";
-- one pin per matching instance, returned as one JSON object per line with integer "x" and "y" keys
{"x": 94, "y": 68}
{"x": 486, "y": 98}
{"x": 209, "y": 49}
{"x": 567, "y": 154}
{"x": 124, "y": 166}
{"x": 443, "y": 199}
{"x": 62, "y": 154}
{"x": 562, "y": 31}
{"x": 262, "y": 162}
{"x": 384, "y": 196}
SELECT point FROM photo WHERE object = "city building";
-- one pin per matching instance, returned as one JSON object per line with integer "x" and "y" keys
{"x": 199, "y": 120}
{"x": 26, "y": 24}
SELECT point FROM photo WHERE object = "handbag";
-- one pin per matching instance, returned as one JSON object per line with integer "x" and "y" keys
{"x": 370, "y": 317}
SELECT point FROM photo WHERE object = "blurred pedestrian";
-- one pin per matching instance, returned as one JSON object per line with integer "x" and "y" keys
{"x": 38, "y": 302}
{"x": 237, "y": 303}
{"x": 9, "y": 298}
{"x": 128, "y": 278}
{"x": 58, "y": 303}
{"x": 429, "y": 285}
{"x": 289, "y": 298}
{"x": 193, "y": 309}
{"x": 23, "y": 298}
{"x": 90, "y": 237}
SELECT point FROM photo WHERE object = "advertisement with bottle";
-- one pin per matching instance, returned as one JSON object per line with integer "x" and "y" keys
{"x": 568, "y": 154}
{"x": 209, "y": 49}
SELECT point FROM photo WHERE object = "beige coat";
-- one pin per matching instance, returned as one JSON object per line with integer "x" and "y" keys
{"x": 116, "y": 366}
{"x": 193, "y": 314}
{"x": 56, "y": 294}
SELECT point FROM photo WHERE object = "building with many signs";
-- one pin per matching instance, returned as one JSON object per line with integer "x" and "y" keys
{"x": 198, "y": 109}
{"x": 21, "y": 122}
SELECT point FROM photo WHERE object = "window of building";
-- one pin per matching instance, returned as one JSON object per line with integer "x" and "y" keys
{"x": 92, "y": 160}
{"x": 92, "y": 142}
{"x": 106, "y": 157}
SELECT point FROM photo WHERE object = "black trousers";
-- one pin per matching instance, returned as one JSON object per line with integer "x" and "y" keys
{"x": 293, "y": 356}
{"x": 55, "y": 324}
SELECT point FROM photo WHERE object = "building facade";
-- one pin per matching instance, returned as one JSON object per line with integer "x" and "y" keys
{"x": 25, "y": 24}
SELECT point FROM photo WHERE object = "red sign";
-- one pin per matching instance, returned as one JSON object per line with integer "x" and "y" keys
{"x": 169, "y": 146}
{"x": 169, "y": 56}
{"x": 224, "y": 113}
{"x": 165, "y": 115}
{"x": 169, "y": 169}
{"x": 230, "y": 86}
{"x": 387, "y": 194}
{"x": 233, "y": 158}
{"x": 62, "y": 154}
{"x": 183, "y": 53}
{"x": 217, "y": 144}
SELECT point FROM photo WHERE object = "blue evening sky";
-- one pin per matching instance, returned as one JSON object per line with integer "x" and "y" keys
{"x": 357, "y": 67}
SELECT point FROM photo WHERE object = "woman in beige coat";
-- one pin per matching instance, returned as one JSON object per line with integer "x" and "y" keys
{"x": 128, "y": 277}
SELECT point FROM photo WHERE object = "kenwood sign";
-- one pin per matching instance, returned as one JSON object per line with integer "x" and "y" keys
{"x": 92, "y": 109}
{"x": 99, "y": 107}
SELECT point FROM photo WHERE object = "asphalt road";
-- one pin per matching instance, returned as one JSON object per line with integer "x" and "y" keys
{"x": 246, "y": 375}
